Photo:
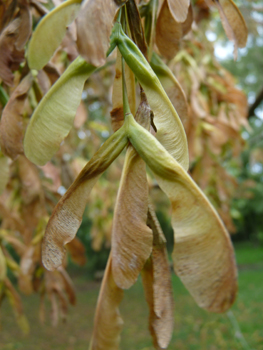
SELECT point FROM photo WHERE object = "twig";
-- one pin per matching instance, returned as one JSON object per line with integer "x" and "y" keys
{"x": 259, "y": 98}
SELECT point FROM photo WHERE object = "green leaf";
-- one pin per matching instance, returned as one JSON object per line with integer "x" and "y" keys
{"x": 50, "y": 32}
{"x": 53, "y": 118}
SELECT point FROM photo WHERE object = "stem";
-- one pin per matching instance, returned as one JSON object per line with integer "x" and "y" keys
{"x": 150, "y": 20}
{"x": 259, "y": 99}
{"x": 126, "y": 107}
{"x": 119, "y": 15}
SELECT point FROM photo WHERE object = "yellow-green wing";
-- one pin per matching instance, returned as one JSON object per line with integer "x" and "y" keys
{"x": 50, "y": 32}
{"x": 203, "y": 254}
{"x": 53, "y": 118}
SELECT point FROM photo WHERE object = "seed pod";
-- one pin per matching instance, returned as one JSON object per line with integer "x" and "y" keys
{"x": 170, "y": 131}
{"x": 131, "y": 237}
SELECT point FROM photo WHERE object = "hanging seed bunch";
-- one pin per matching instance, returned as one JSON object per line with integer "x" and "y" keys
{"x": 149, "y": 120}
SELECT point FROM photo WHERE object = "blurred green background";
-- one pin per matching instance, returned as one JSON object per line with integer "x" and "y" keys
{"x": 194, "y": 329}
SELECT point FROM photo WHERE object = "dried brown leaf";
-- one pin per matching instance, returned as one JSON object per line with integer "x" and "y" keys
{"x": 11, "y": 126}
{"x": 27, "y": 267}
{"x": 148, "y": 282}
{"x": 202, "y": 11}
{"x": 135, "y": 24}
{"x": 187, "y": 24}
{"x": 40, "y": 9}
{"x": 16, "y": 243}
{"x": 107, "y": 322}
{"x": 2, "y": 266}
{"x": 7, "y": 10}
{"x": 25, "y": 27}
{"x": 179, "y": 9}
{"x": 69, "y": 43}
{"x": 54, "y": 313}
{"x": 63, "y": 304}
{"x": 158, "y": 288}
{"x": 81, "y": 115}
{"x": 52, "y": 173}
{"x": 117, "y": 115}
{"x": 68, "y": 285}
{"x": 4, "y": 172}
{"x": 233, "y": 23}
{"x": 67, "y": 174}
{"x": 168, "y": 32}
{"x": 30, "y": 181}
{"x": 54, "y": 284}
{"x": 10, "y": 220}
{"x": 10, "y": 57}
{"x": 52, "y": 72}
{"x": 177, "y": 97}
{"x": 95, "y": 16}
{"x": 41, "y": 84}
{"x": 77, "y": 251}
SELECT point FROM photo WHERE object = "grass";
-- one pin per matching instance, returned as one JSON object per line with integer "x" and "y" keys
{"x": 194, "y": 328}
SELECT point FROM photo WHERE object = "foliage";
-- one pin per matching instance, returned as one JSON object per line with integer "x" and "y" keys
{"x": 246, "y": 207}
{"x": 147, "y": 125}
{"x": 247, "y": 204}
{"x": 249, "y": 62}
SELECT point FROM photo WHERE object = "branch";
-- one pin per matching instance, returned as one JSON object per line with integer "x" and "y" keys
{"x": 259, "y": 98}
